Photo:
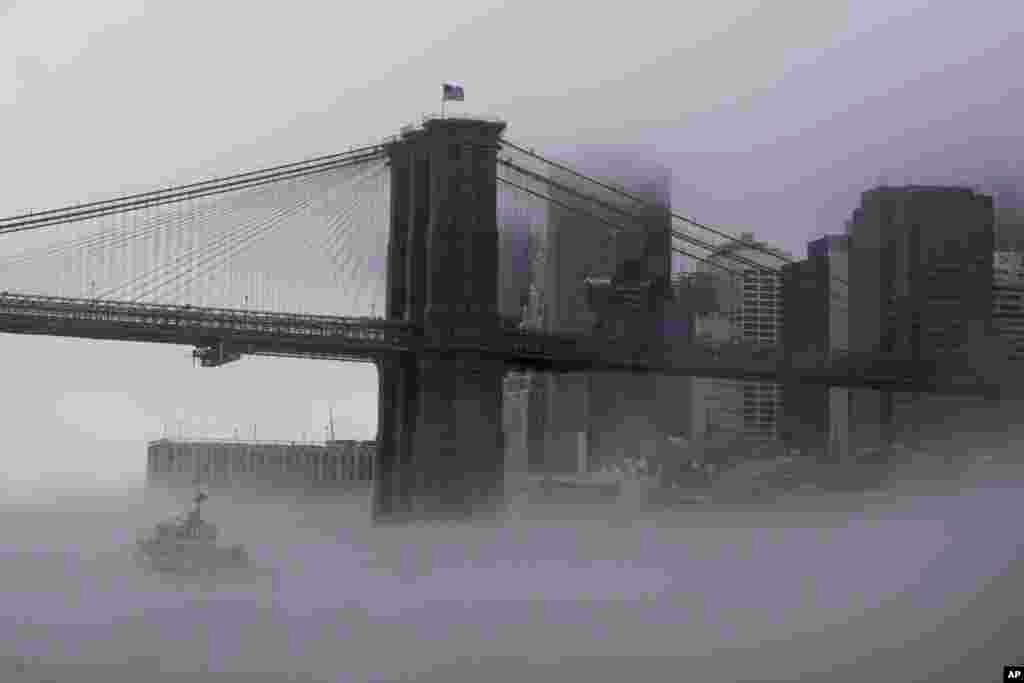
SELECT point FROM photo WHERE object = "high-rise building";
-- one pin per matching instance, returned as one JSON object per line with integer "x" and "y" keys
{"x": 815, "y": 322}
{"x": 749, "y": 309}
{"x": 579, "y": 420}
{"x": 920, "y": 286}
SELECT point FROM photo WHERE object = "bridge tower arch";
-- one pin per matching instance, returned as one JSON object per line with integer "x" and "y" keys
{"x": 440, "y": 451}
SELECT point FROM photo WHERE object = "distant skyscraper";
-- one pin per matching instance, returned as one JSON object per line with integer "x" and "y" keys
{"x": 581, "y": 419}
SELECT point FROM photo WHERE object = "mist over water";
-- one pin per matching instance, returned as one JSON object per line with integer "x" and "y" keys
{"x": 897, "y": 586}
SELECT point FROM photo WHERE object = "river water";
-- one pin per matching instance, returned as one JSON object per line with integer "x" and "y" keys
{"x": 907, "y": 587}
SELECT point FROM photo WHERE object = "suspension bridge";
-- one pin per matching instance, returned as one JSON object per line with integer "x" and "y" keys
{"x": 389, "y": 254}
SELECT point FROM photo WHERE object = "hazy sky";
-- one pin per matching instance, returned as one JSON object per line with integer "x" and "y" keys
{"x": 773, "y": 117}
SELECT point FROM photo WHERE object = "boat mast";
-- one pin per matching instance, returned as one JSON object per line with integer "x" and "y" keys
{"x": 331, "y": 409}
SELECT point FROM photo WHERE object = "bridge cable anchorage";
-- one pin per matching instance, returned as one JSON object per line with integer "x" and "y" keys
{"x": 225, "y": 250}
{"x": 682, "y": 236}
{"x": 752, "y": 245}
{"x": 590, "y": 214}
{"x": 212, "y": 254}
{"x": 161, "y": 197}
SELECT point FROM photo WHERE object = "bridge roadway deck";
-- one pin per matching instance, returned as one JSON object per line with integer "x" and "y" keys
{"x": 317, "y": 336}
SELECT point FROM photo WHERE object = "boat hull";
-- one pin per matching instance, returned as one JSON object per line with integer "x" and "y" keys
{"x": 186, "y": 558}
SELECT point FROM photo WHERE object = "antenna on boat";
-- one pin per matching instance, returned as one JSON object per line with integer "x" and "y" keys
{"x": 331, "y": 409}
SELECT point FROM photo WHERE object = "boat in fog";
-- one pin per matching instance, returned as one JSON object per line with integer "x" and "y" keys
{"x": 187, "y": 544}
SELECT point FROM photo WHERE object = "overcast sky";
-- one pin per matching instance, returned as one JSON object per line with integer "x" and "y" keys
{"x": 772, "y": 116}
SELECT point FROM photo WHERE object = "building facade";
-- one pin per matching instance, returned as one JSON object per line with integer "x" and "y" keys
{"x": 260, "y": 464}
{"x": 748, "y": 309}
{"x": 815, "y": 322}
{"x": 1008, "y": 300}
{"x": 921, "y": 273}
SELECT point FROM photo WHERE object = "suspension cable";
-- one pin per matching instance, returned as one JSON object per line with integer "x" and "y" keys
{"x": 162, "y": 197}
{"x": 328, "y": 158}
{"x": 615, "y": 226}
{"x": 682, "y": 236}
{"x": 751, "y": 244}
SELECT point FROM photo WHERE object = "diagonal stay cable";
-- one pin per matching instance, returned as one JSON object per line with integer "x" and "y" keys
{"x": 620, "y": 228}
{"x": 623, "y": 193}
{"x": 210, "y": 255}
{"x": 623, "y": 212}
{"x": 350, "y": 253}
{"x": 682, "y": 236}
{"x": 318, "y": 246}
{"x": 214, "y": 258}
{"x": 340, "y": 236}
{"x": 191, "y": 226}
{"x": 610, "y": 224}
{"x": 364, "y": 277}
{"x": 732, "y": 238}
{"x": 221, "y": 235}
{"x": 351, "y": 201}
{"x": 348, "y": 267}
{"x": 195, "y": 271}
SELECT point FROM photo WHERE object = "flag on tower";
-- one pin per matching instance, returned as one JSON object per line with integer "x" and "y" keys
{"x": 452, "y": 92}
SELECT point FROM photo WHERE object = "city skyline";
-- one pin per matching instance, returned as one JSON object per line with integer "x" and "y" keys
{"x": 781, "y": 140}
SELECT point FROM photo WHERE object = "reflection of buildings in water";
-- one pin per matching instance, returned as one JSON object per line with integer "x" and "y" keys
{"x": 575, "y": 422}
{"x": 258, "y": 464}
{"x": 921, "y": 277}
{"x": 816, "y": 326}
{"x": 748, "y": 308}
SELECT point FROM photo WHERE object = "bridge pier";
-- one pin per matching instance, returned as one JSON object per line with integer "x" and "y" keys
{"x": 440, "y": 450}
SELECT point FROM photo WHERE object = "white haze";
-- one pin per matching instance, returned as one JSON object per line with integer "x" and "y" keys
{"x": 876, "y": 588}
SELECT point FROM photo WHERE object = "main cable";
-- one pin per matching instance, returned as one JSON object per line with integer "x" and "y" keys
{"x": 327, "y": 158}
{"x": 73, "y": 215}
